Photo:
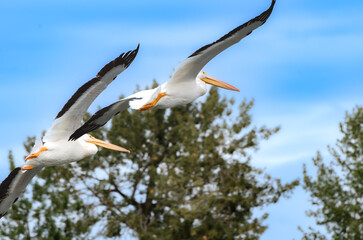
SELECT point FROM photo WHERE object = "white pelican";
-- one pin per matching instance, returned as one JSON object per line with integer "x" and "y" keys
{"x": 188, "y": 82}
{"x": 55, "y": 149}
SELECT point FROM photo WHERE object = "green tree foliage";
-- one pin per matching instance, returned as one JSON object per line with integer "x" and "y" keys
{"x": 188, "y": 176}
{"x": 337, "y": 191}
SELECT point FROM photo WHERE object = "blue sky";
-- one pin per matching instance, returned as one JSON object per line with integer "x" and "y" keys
{"x": 303, "y": 68}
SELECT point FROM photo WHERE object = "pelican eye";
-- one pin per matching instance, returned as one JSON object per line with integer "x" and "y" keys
{"x": 91, "y": 137}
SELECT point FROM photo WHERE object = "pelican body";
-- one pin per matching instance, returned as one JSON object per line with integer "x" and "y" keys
{"x": 63, "y": 151}
{"x": 175, "y": 92}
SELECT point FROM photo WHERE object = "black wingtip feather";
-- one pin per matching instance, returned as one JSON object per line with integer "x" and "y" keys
{"x": 5, "y": 185}
{"x": 262, "y": 17}
{"x": 89, "y": 126}
{"x": 124, "y": 59}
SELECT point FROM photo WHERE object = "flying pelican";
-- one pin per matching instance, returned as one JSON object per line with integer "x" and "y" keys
{"x": 55, "y": 149}
{"x": 187, "y": 84}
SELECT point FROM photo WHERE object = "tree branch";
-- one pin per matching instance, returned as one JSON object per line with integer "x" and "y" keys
{"x": 127, "y": 199}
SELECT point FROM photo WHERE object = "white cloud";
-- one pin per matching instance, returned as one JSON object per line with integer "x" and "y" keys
{"x": 305, "y": 130}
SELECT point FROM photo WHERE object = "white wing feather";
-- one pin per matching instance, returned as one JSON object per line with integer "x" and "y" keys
{"x": 70, "y": 117}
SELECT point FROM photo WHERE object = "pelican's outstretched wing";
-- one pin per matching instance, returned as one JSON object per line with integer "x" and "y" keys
{"x": 101, "y": 117}
{"x": 13, "y": 186}
{"x": 190, "y": 67}
{"x": 70, "y": 117}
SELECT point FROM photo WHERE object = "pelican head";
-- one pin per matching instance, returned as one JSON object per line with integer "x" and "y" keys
{"x": 215, "y": 82}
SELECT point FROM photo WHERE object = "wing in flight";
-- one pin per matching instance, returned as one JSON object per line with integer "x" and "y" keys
{"x": 70, "y": 117}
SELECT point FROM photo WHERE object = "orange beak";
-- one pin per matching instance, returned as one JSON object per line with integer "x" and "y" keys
{"x": 218, "y": 83}
{"x": 107, "y": 145}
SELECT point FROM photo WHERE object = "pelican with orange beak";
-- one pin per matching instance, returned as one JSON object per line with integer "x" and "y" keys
{"x": 187, "y": 84}
{"x": 189, "y": 81}
{"x": 55, "y": 148}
